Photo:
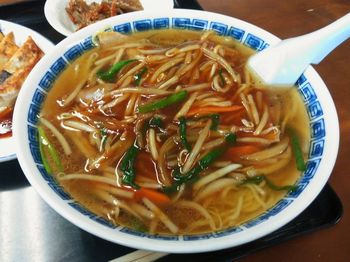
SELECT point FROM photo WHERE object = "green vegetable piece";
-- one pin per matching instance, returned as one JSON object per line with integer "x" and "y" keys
{"x": 258, "y": 179}
{"x": 138, "y": 76}
{"x": 43, "y": 140}
{"x": 231, "y": 139}
{"x": 127, "y": 166}
{"x": 215, "y": 121}
{"x": 296, "y": 148}
{"x": 111, "y": 73}
{"x": 43, "y": 156}
{"x": 138, "y": 225}
{"x": 165, "y": 102}
{"x": 183, "y": 136}
{"x": 202, "y": 164}
{"x": 222, "y": 79}
{"x": 156, "y": 122}
{"x": 209, "y": 158}
{"x": 173, "y": 188}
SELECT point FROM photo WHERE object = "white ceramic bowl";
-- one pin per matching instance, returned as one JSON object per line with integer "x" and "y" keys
{"x": 319, "y": 104}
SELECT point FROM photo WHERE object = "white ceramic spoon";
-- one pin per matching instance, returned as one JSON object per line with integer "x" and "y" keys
{"x": 281, "y": 65}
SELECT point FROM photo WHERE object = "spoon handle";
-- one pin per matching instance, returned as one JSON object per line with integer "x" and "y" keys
{"x": 282, "y": 64}
{"x": 330, "y": 37}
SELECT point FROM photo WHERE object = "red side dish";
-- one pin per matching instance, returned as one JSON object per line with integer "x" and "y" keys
{"x": 6, "y": 122}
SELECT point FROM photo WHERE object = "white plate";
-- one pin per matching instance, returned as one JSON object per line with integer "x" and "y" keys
{"x": 57, "y": 16}
{"x": 7, "y": 147}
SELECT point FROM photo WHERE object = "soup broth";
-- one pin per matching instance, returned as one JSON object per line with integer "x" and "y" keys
{"x": 166, "y": 132}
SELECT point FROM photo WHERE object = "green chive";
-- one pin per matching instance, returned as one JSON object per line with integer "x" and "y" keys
{"x": 43, "y": 157}
{"x": 202, "y": 164}
{"x": 215, "y": 121}
{"x": 296, "y": 148}
{"x": 138, "y": 76}
{"x": 110, "y": 74}
{"x": 231, "y": 138}
{"x": 127, "y": 166}
{"x": 156, "y": 122}
{"x": 183, "y": 136}
{"x": 167, "y": 101}
{"x": 138, "y": 225}
{"x": 258, "y": 179}
{"x": 51, "y": 149}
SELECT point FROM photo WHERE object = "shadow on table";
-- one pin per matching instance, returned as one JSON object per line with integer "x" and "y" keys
{"x": 12, "y": 176}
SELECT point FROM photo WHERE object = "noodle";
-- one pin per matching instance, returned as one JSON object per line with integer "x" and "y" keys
{"x": 214, "y": 187}
{"x": 263, "y": 122}
{"x": 165, "y": 132}
{"x": 224, "y": 63}
{"x": 199, "y": 209}
{"x": 270, "y": 152}
{"x": 183, "y": 111}
{"x": 65, "y": 145}
{"x": 214, "y": 176}
{"x": 253, "y": 109}
{"x": 201, "y": 138}
{"x": 162, "y": 217}
{"x": 165, "y": 67}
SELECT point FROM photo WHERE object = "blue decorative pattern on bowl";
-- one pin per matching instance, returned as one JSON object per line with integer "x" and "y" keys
{"x": 199, "y": 24}
{"x": 305, "y": 89}
{"x": 220, "y": 28}
{"x": 161, "y": 23}
{"x": 254, "y": 42}
{"x": 91, "y": 215}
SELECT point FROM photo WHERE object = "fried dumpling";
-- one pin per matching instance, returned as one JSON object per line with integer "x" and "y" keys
{"x": 7, "y": 48}
{"x": 16, "y": 71}
{"x": 26, "y": 56}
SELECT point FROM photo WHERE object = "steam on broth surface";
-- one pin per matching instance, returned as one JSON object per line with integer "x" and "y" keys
{"x": 165, "y": 132}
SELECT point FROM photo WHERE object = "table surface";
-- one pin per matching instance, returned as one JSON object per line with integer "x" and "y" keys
{"x": 292, "y": 18}
{"x": 282, "y": 18}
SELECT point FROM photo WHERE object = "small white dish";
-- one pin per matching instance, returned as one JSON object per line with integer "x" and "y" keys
{"x": 7, "y": 145}
{"x": 56, "y": 15}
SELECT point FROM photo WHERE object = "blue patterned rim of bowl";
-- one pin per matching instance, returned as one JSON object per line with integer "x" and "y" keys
{"x": 313, "y": 106}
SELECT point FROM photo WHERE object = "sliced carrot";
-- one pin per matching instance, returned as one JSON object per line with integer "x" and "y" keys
{"x": 271, "y": 136}
{"x": 5, "y": 112}
{"x": 153, "y": 195}
{"x": 213, "y": 109}
{"x": 156, "y": 197}
{"x": 234, "y": 118}
{"x": 236, "y": 152}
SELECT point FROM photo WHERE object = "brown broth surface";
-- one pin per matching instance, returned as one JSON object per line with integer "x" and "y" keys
{"x": 286, "y": 109}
